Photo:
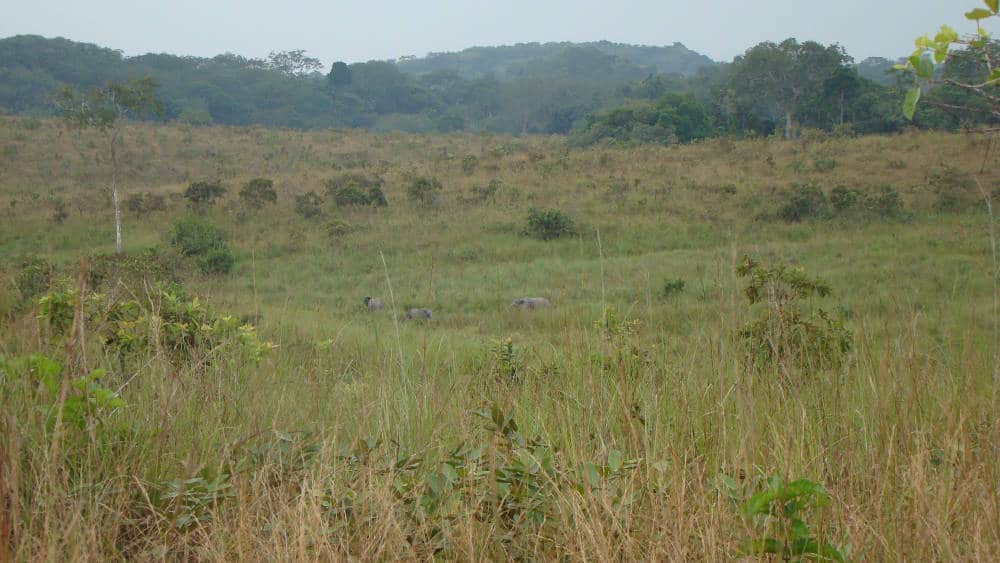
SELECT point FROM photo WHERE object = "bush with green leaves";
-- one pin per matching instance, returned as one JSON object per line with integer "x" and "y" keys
{"x": 34, "y": 276}
{"x": 783, "y": 333}
{"x": 424, "y": 190}
{"x": 549, "y": 224}
{"x": 196, "y": 237}
{"x": 673, "y": 287}
{"x": 356, "y": 190}
{"x": 217, "y": 261}
{"x": 802, "y": 202}
{"x": 258, "y": 192}
{"x": 337, "y": 229}
{"x": 86, "y": 404}
{"x": 203, "y": 194}
{"x": 778, "y": 515}
{"x": 143, "y": 203}
{"x": 954, "y": 189}
{"x": 309, "y": 205}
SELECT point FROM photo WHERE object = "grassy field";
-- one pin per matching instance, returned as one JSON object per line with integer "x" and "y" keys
{"x": 623, "y": 423}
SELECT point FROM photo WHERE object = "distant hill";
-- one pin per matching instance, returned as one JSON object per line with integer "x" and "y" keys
{"x": 876, "y": 69}
{"x": 502, "y": 61}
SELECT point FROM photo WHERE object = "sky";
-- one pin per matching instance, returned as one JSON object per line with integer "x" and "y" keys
{"x": 355, "y": 31}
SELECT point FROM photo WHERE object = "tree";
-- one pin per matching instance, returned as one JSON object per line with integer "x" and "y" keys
{"x": 971, "y": 67}
{"x": 340, "y": 75}
{"x": 104, "y": 109}
{"x": 293, "y": 63}
{"x": 784, "y": 78}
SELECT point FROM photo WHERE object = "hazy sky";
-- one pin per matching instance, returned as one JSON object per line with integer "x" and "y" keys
{"x": 358, "y": 31}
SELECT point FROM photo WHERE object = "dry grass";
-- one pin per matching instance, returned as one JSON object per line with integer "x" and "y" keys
{"x": 905, "y": 435}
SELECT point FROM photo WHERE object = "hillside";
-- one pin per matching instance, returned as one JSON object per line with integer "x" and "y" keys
{"x": 636, "y": 418}
{"x": 501, "y": 61}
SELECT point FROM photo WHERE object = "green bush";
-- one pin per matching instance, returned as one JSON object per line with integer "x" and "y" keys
{"x": 143, "y": 203}
{"x": 886, "y": 202}
{"x": 217, "y": 261}
{"x": 549, "y": 224}
{"x": 195, "y": 236}
{"x": 356, "y": 190}
{"x": 784, "y": 333}
{"x": 844, "y": 199}
{"x": 954, "y": 189}
{"x": 803, "y": 201}
{"x": 673, "y": 287}
{"x": 258, "y": 192}
{"x": 337, "y": 228}
{"x": 309, "y": 205}
{"x": 424, "y": 190}
{"x": 201, "y": 195}
{"x": 34, "y": 277}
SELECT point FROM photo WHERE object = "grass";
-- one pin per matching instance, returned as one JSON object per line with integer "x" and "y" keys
{"x": 904, "y": 435}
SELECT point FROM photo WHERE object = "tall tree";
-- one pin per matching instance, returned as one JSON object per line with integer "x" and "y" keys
{"x": 785, "y": 77}
{"x": 105, "y": 108}
{"x": 293, "y": 63}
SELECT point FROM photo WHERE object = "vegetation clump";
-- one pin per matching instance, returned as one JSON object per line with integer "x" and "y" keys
{"x": 424, "y": 190}
{"x": 196, "y": 237}
{"x": 309, "y": 206}
{"x": 203, "y": 194}
{"x": 356, "y": 190}
{"x": 784, "y": 333}
{"x": 257, "y": 193}
{"x": 549, "y": 224}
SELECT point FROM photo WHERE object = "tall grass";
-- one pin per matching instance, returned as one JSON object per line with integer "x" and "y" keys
{"x": 334, "y": 445}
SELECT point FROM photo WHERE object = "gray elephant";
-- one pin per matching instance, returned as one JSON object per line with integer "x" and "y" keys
{"x": 418, "y": 314}
{"x": 531, "y": 303}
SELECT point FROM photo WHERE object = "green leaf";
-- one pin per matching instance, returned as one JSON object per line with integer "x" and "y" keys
{"x": 925, "y": 69}
{"x": 910, "y": 104}
{"x": 978, "y": 14}
{"x": 995, "y": 75}
{"x": 993, "y": 5}
{"x": 759, "y": 503}
{"x": 615, "y": 459}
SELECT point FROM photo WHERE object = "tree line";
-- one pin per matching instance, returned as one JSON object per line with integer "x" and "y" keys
{"x": 596, "y": 92}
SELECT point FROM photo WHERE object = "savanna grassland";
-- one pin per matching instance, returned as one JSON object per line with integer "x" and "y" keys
{"x": 638, "y": 418}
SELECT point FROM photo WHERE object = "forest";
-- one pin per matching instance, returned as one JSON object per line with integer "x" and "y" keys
{"x": 598, "y": 92}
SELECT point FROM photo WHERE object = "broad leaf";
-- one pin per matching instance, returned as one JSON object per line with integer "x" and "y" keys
{"x": 993, "y": 5}
{"x": 978, "y": 14}
{"x": 910, "y": 104}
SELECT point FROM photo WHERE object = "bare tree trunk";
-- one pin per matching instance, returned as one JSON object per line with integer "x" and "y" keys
{"x": 114, "y": 192}
{"x": 788, "y": 125}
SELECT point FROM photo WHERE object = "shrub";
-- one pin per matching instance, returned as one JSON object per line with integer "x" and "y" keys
{"x": 357, "y": 190}
{"x": 337, "y": 228}
{"x": 201, "y": 195}
{"x": 218, "y": 260}
{"x": 886, "y": 202}
{"x": 953, "y": 188}
{"x": 143, "y": 203}
{"x": 469, "y": 164}
{"x": 825, "y": 164}
{"x": 803, "y": 201}
{"x": 844, "y": 199}
{"x": 309, "y": 205}
{"x": 783, "y": 333}
{"x": 673, "y": 287}
{"x": 424, "y": 190}
{"x": 548, "y": 224}
{"x": 59, "y": 213}
{"x": 195, "y": 236}
{"x": 258, "y": 192}
{"x": 34, "y": 277}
